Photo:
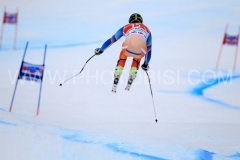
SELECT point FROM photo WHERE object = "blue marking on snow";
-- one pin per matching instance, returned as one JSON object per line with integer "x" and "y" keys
{"x": 56, "y": 46}
{"x": 113, "y": 146}
{"x": 198, "y": 154}
{"x": 7, "y": 123}
{"x": 198, "y": 91}
{"x": 235, "y": 156}
{"x": 74, "y": 44}
{"x": 80, "y": 137}
{"x": 1, "y": 109}
{"x": 221, "y": 103}
{"x": 77, "y": 139}
{"x": 212, "y": 82}
{"x": 30, "y": 122}
{"x": 203, "y": 154}
{"x": 116, "y": 148}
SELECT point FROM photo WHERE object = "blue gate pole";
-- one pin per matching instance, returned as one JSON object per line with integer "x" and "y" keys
{"x": 40, "y": 91}
{"x": 15, "y": 88}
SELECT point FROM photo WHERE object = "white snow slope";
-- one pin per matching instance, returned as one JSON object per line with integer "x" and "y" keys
{"x": 197, "y": 106}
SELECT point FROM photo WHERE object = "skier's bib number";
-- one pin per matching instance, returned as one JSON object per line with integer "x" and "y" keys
{"x": 137, "y": 29}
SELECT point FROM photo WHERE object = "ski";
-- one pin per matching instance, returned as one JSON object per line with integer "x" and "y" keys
{"x": 114, "y": 88}
{"x": 129, "y": 84}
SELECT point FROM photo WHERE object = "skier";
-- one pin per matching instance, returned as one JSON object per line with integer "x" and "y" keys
{"x": 138, "y": 44}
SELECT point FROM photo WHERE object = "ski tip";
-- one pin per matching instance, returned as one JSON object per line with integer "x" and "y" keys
{"x": 60, "y": 84}
{"x": 156, "y": 120}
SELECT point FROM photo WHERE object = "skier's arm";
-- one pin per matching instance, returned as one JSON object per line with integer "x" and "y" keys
{"x": 113, "y": 39}
{"x": 149, "y": 48}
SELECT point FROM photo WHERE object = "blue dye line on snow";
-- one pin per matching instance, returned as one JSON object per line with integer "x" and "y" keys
{"x": 2, "y": 109}
{"x": 221, "y": 103}
{"x": 114, "y": 147}
{"x": 30, "y": 122}
{"x": 56, "y": 46}
{"x": 203, "y": 154}
{"x": 211, "y": 82}
{"x": 198, "y": 155}
{"x": 235, "y": 156}
{"x": 7, "y": 123}
{"x": 75, "y": 45}
{"x": 198, "y": 91}
{"x": 77, "y": 139}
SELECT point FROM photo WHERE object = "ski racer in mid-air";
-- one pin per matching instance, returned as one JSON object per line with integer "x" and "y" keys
{"x": 138, "y": 44}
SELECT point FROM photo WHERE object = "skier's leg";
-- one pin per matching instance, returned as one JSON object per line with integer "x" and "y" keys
{"x": 118, "y": 70}
{"x": 133, "y": 71}
{"x": 134, "y": 67}
{"x": 120, "y": 64}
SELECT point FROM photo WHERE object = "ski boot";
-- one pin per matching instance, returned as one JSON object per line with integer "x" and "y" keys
{"x": 132, "y": 76}
{"x": 117, "y": 74}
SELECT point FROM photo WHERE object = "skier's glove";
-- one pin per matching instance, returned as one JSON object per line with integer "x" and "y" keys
{"x": 145, "y": 67}
{"x": 98, "y": 51}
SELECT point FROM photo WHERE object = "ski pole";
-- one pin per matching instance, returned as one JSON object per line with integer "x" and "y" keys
{"x": 78, "y": 72}
{"x": 152, "y": 97}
